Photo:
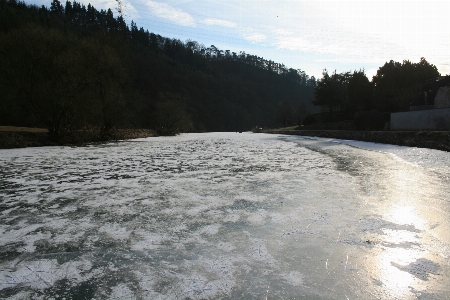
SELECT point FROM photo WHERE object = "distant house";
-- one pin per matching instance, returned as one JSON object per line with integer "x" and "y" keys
{"x": 426, "y": 117}
{"x": 442, "y": 99}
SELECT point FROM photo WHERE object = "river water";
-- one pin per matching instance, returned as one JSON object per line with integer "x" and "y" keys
{"x": 225, "y": 215}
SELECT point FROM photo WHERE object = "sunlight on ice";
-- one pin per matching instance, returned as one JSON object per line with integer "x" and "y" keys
{"x": 402, "y": 243}
{"x": 404, "y": 215}
{"x": 395, "y": 279}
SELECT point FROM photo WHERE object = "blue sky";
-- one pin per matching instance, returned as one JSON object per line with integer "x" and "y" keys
{"x": 307, "y": 35}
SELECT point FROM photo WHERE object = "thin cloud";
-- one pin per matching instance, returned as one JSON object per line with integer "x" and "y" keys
{"x": 296, "y": 44}
{"x": 168, "y": 12}
{"x": 218, "y": 22}
{"x": 255, "y": 37}
{"x": 252, "y": 35}
{"x": 348, "y": 46}
{"x": 282, "y": 32}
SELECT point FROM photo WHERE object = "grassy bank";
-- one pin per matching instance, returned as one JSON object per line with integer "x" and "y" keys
{"x": 439, "y": 140}
{"x": 22, "y": 137}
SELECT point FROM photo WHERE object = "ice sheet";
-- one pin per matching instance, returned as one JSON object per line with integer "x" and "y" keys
{"x": 225, "y": 215}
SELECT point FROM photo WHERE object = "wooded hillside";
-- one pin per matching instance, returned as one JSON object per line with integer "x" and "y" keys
{"x": 71, "y": 67}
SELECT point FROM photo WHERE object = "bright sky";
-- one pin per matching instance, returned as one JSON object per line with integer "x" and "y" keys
{"x": 307, "y": 35}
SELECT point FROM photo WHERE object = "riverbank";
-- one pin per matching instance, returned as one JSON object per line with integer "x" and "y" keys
{"x": 439, "y": 140}
{"x": 22, "y": 137}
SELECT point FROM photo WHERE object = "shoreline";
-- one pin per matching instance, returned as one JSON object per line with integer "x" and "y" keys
{"x": 32, "y": 137}
{"x": 439, "y": 140}
{"x": 22, "y": 137}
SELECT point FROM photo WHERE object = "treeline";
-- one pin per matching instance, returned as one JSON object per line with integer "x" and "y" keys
{"x": 71, "y": 67}
{"x": 396, "y": 87}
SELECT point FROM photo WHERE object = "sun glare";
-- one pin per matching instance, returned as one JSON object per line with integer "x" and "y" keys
{"x": 393, "y": 267}
{"x": 404, "y": 215}
{"x": 400, "y": 249}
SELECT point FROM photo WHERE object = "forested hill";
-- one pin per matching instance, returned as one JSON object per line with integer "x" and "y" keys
{"x": 70, "y": 67}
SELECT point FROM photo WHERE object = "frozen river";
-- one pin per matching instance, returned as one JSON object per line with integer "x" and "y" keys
{"x": 225, "y": 215}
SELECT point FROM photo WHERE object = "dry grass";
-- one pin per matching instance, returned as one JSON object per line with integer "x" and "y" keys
{"x": 22, "y": 129}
